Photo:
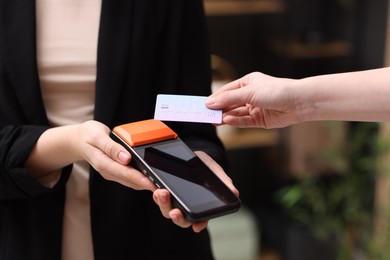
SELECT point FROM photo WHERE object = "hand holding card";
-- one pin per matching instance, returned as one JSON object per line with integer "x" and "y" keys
{"x": 185, "y": 108}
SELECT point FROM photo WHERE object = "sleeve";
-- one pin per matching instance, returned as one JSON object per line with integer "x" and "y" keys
{"x": 16, "y": 143}
{"x": 17, "y": 137}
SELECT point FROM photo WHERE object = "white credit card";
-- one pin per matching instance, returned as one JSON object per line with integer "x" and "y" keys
{"x": 185, "y": 108}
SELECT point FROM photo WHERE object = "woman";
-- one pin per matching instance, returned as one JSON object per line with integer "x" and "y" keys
{"x": 69, "y": 72}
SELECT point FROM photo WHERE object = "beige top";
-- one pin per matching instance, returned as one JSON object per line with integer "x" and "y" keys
{"x": 67, "y": 34}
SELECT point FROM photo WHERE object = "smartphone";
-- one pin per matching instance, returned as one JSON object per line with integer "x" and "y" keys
{"x": 169, "y": 163}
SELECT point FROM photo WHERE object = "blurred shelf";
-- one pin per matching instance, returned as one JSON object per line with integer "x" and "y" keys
{"x": 243, "y": 7}
{"x": 299, "y": 50}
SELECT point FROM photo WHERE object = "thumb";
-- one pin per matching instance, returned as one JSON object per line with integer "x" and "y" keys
{"x": 235, "y": 97}
{"x": 115, "y": 150}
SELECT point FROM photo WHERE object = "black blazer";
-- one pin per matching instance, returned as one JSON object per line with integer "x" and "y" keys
{"x": 145, "y": 47}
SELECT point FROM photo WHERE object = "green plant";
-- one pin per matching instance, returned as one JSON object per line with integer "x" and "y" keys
{"x": 341, "y": 204}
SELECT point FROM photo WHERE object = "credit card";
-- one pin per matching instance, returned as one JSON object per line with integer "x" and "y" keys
{"x": 185, "y": 108}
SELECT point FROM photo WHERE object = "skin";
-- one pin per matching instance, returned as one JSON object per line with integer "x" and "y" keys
{"x": 90, "y": 141}
{"x": 161, "y": 196}
{"x": 260, "y": 100}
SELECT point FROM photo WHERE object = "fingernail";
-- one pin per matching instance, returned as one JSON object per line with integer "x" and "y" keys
{"x": 124, "y": 157}
{"x": 209, "y": 101}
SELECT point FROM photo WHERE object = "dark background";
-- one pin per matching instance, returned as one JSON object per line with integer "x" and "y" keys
{"x": 248, "y": 43}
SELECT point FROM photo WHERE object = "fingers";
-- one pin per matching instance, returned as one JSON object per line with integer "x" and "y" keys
{"x": 214, "y": 100}
{"x": 163, "y": 200}
{"x": 238, "y": 83}
{"x": 131, "y": 177}
{"x": 199, "y": 226}
{"x": 114, "y": 150}
{"x": 123, "y": 174}
{"x": 109, "y": 158}
{"x": 162, "y": 197}
{"x": 236, "y": 93}
{"x": 237, "y": 112}
{"x": 217, "y": 169}
{"x": 178, "y": 218}
{"x": 96, "y": 135}
{"x": 229, "y": 99}
{"x": 229, "y": 86}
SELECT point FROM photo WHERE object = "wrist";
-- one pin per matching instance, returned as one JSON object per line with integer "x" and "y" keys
{"x": 72, "y": 143}
{"x": 305, "y": 96}
{"x": 55, "y": 148}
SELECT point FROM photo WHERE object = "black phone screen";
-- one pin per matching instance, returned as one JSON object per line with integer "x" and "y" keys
{"x": 187, "y": 177}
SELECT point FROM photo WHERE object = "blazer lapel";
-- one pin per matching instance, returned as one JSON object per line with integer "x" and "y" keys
{"x": 113, "y": 56}
{"x": 21, "y": 48}
{"x": 112, "y": 63}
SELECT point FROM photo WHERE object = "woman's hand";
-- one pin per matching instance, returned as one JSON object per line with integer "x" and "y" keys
{"x": 257, "y": 100}
{"x": 162, "y": 197}
{"x": 90, "y": 141}
{"x": 108, "y": 157}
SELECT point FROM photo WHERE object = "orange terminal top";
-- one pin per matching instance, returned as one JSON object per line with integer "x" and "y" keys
{"x": 144, "y": 132}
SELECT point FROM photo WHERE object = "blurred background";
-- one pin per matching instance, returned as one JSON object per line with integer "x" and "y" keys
{"x": 318, "y": 190}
